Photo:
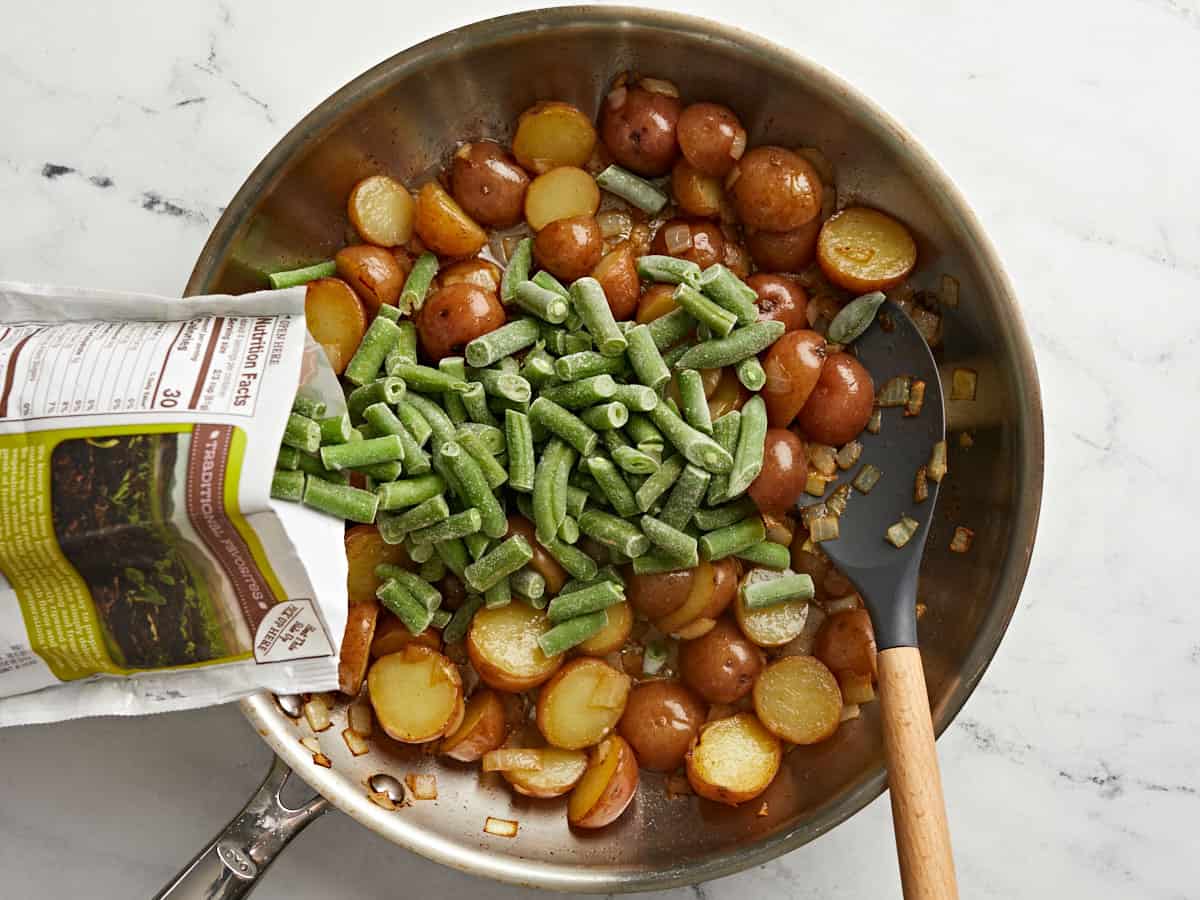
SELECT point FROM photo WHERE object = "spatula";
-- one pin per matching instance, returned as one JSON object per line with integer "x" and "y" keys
{"x": 886, "y": 576}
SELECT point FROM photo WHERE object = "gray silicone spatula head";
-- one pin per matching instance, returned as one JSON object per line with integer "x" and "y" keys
{"x": 886, "y": 575}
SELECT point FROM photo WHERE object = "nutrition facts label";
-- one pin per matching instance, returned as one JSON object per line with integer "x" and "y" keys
{"x": 213, "y": 364}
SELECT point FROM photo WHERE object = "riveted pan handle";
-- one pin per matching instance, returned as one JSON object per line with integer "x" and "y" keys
{"x": 230, "y": 866}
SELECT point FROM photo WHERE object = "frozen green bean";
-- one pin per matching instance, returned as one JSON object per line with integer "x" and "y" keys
{"x": 574, "y": 560}
{"x": 417, "y": 425}
{"x": 308, "y": 406}
{"x": 432, "y": 570}
{"x": 656, "y": 562}
{"x": 613, "y": 531}
{"x": 629, "y": 187}
{"x": 407, "y": 608}
{"x": 416, "y": 286}
{"x": 562, "y": 342}
{"x": 767, "y": 554}
{"x": 460, "y": 622}
{"x": 645, "y": 358}
{"x": 587, "y": 363}
{"x": 761, "y": 593}
{"x": 738, "y": 345}
{"x": 720, "y": 285}
{"x": 667, "y": 269}
{"x": 617, "y": 492}
{"x": 546, "y": 305}
{"x": 560, "y": 421}
{"x": 477, "y": 544}
{"x": 592, "y": 305}
{"x": 726, "y": 514}
{"x": 506, "y": 340}
{"x": 668, "y": 539}
{"x": 287, "y": 484}
{"x": 455, "y": 526}
{"x": 517, "y": 269}
{"x": 382, "y": 471}
{"x": 577, "y": 499}
{"x": 635, "y": 397}
{"x": 393, "y": 528}
{"x": 302, "y": 433}
{"x": 582, "y": 393}
{"x": 335, "y": 429}
{"x": 693, "y": 400}
{"x": 288, "y": 459}
{"x": 729, "y": 540}
{"x": 669, "y": 330}
{"x": 491, "y": 436}
{"x": 641, "y": 430}
{"x": 498, "y": 563}
{"x": 521, "y": 463}
{"x": 499, "y": 594}
{"x": 426, "y": 379}
{"x": 634, "y": 461}
{"x": 452, "y": 401}
{"x": 384, "y": 421}
{"x": 368, "y": 359}
{"x": 748, "y": 458}
{"x": 474, "y": 401}
{"x": 418, "y": 586}
{"x": 439, "y": 423}
{"x": 546, "y": 487}
{"x": 751, "y": 374}
{"x": 605, "y": 416}
{"x": 707, "y": 313}
{"x": 381, "y": 390}
{"x": 568, "y": 531}
{"x": 340, "y": 500}
{"x": 538, "y": 368}
{"x": 297, "y": 277}
{"x": 473, "y": 488}
{"x": 698, "y": 448}
{"x": 498, "y": 383}
{"x": 311, "y": 465}
{"x": 528, "y": 584}
{"x": 495, "y": 473}
{"x": 659, "y": 483}
{"x": 454, "y": 555}
{"x": 590, "y": 599}
{"x": 405, "y": 348}
{"x": 357, "y": 454}
{"x": 410, "y": 492}
{"x": 725, "y": 431}
{"x": 685, "y": 497}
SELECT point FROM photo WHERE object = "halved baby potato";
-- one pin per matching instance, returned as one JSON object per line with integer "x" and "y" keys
{"x": 607, "y": 786}
{"x": 381, "y": 210}
{"x": 479, "y": 272}
{"x": 443, "y": 225}
{"x": 392, "y": 636}
{"x": 798, "y": 699}
{"x": 484, "y": 728}
{"x": 561, "y": 193}
{"x": 551, "y": 134}
{"x": 374, "y": 273}
{"x": 582, "y": 704}
{"x": 846, "y": 643}
{"x": 416, "y": 694}
{"x": 503, "y": 647}
{"x": 335, "y": 318}
{"x": 713, "y": 587}
{"x": 559, "y": 772}
{"x": 771, "y": 626}
{"x": 356, "y": 645}
{"x": 862, "y": 249}
{"x": 733, "y": 759}
{"x": 611, "y": 637}
{"x": 365, "y": 550}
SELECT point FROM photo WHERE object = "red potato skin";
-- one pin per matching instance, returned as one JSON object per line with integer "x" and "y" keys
{"x": 707, "y": 132}
{"x": 488, "y": 734}
{"x": 455, "y": 315}
{"x": 785, "y": 251}
{"x": 708, "y": 244}
{"x": 780, "y": 299}
{"x": 720, "y": 666}
{"x": 660, "y": 721}
{"x": 840, "y": 404}
{"x": 640, "y": 133}
{"x": 776, "y": 190}
{"x": 569, "y": 248}
{"x": 846, "y": 643}
{"x": 619, "y": 791}
{"x": 793, "y": 366}
{"x": 784, "y": 473}
{"x": 488, "y": 184}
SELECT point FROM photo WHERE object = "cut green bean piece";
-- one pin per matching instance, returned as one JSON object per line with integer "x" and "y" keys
{"x": 473, "y": 488}
{"x": 642, "y": 430}
{"x": 498, "y": 563}
{"x": 728, "y": 291}
{"x": 767, "y": 554}
{"x": 572, "y": 632}
{"x": 441, "y": 618}
{"x": 667, "y": 269}
{"x": 340, "y": 500}
{"x": 417, "y": 425}
{"x": 474, "y": 401}
{"x": 335, "y": 429}
{"x": 308, "y": 406}
{"x": 629, "y": 187}
{"x": 287, "y": 484}
{"x": 748, "y": 458}
{"x": 725, "y": 432}
{"x": 685, "y": 498}
{"x": 302, "y": 433}
{"x": 605, "y": 416}
{"x": 418, "y": 551}
{"x": 732, "y": 538}
{"x": 528, "y": 584}
{"x": 418, "y": 586}
{"x": 560, "y": 421}
{"x": 669, "y": 330}
{"x": 383, "y": 420}
{"x": 698, "y": 448}
{"x": 577, "y": 563}
{"x": 405, "y": 348}
{"x": 634, "y": 461}
{"x": 549, "y": 482}
{"x": 288, "y": 459}
{"x": 495, "y": 473}
{"x": 577, "y": 499}
{"x": 562, "y": 342}
{"x": 538, "y": 368}
{"x": 592, "y": 305}
{"x": 358, "y": 454}
{"x": 297, "y": 277}
{"x": 498, "y": 383}
{"x": 694, "y": 401}
{"x": 452, "y": 401}
{"x": 455, "y": 526}
{"x": 460, "y": 622}
{"x": 751, "y": 374}
{"x": 381, "y": 390}
{"x": 439, "y": 423}
{"x": 656, "y": 562}
{"x": 517, "y": 269}
{"x": 707, "y": 313}
{"x": 614, "y": 532}
{"x": 499, "y": 594}
{"x": 721, "y": 516}
{"x": 582, "y": 393}
{"x": 659, "y": 483}
{"x": 407, "y": 608}
{"x": 759, "y": 593}
{"x": 382, "y": 472}
{"x": 672, "y": 356}
{"x": 645, "y": 358}
{"x": 521, "y": 463}
{"x": 368, "y": 359}
{"x": 727, "y": 351}
{"x": 590, "y": 599}
{"x": 587, "y": 363}
{"x": 416, "y": 286}
{"x": 393, "y": 528}
{"x": 546, "y": 305}
{"x": 477, "y": 544}
{"x": 671, "y": 541}
{"x": 389, "y": 312}
{"x": 568, "y": 531}
{"x": 491, "y": 436}
{"x": 506, "y": 340}
{"x": 616, "y": 490}
{"x": 635, "y": 397}
{"x": 311, "y": 465}
{"x": 426, "y": 379}
{"x": 454, "y": 555}
{"x": 410, "y": 492}
{"x": 544, "y": 279}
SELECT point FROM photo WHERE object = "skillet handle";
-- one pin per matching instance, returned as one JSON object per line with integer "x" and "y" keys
{"x": 229, "y": 867}
{"x": 918, "y": 808}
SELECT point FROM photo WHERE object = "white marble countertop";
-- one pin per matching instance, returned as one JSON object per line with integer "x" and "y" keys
{"x": 1073, "y": 770}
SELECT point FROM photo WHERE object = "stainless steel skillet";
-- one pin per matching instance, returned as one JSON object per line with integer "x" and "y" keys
{"x": 404, "y": 116}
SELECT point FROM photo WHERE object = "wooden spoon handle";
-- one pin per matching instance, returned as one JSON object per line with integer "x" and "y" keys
{"x": 918, "y": 808}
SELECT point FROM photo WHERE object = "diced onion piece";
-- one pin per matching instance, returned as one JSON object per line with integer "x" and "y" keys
{"x": 961, "y": 542}
{"x": 610, "y": 691}
{"x": 654, "y": 657}
{"x": 738, "y": 146}
{"x": 824, "y": 529}
{"x": 678, "y": 238}
{"x": 848, "y": 455}
{"x": 780, "y": 529}
{"x": 506, "y": 759}
{"x": 506, "y": 828}
{"x": 837, "y": 501}
{"x": 355, "y": 742}
{"x": 842, "y": 604}
{"x": 824, "y": 458}
{"x": 327, "y": 698}
{"x": 921, "y": 485}
{"x": 359, "y": 718}
{"x": 948, "y": 295}
{"x": 614, "y": 223}
{"x": 875, "y": 423}
{"x": 937, "y": 467}
{"x": 317, "y": 715}
{"x": 311, "y": 744}
{"x": 849, "y": 711}
{"x": 963, "y": 383}
{"x": 379, "y": 798}
{"x": 929, "y": 324}
{"x": 811, "y": 513}
{"x": 916, "y": 398}
{"x": 659, "y": 86}
{"x": 965, "y": 440}
{"x": 856, "y": 688}
{"x": 894, "y": 392}
{"x": 902, "y": 532}
{"x": 815, "y": 485}
{"x": 422, "y": 785}
{"x": 322, "y": 760}
{"x": 868, "y": 476}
